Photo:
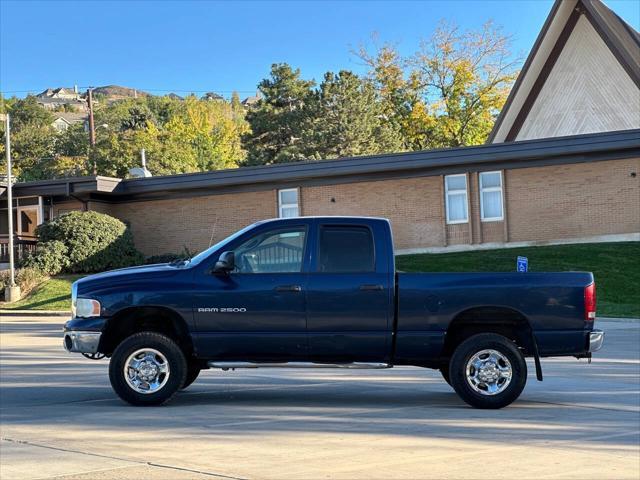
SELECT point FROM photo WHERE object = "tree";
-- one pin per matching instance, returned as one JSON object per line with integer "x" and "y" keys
{"x": 450, "y": 91}
{"x": 349, "y": 120}
{"x": 465, "y": 78}
{"x": 397, "y": 94}
{"x": 32, "y": 138}
{"x": 236, "y": 104}
{"x": 279, "y": 121}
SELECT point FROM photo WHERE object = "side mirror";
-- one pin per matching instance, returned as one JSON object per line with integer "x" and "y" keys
{"x": 225, "y": 263}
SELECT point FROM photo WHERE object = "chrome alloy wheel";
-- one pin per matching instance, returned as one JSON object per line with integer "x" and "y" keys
{"x": 489, "y": 372}
{"x": 146, "y": 370}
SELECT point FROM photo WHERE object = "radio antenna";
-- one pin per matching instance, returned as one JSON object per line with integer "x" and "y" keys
{"x": 213, "y": 231}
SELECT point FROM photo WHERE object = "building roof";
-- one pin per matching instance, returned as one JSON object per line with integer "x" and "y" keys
{"x": 622, "y": 39}
{"x": 529, "y": 153}
{"x": 250, "y": 101}
{"x": 71, "y": 117}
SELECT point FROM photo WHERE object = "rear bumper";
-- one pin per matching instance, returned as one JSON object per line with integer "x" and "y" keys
{"x": 596, "y": 339}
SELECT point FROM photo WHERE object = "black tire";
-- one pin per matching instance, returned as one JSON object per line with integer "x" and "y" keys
{"x": 177, "y": 368}
{"x": 463, "y": 386}
{"x": 192, "y": 374}
{"x": 444, "y": 371}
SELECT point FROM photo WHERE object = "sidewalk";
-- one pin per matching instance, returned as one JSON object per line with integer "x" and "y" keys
{"x": 35, "y": 313}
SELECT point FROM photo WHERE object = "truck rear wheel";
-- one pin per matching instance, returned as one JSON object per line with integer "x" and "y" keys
{"x": 488, "y": 371}
{"x": 147, "y": 368}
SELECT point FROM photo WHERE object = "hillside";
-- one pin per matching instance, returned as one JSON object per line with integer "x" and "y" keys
{"x": 116, "y": 92}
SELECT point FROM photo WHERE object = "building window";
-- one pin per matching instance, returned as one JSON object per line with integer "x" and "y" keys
{"x": 456, "y": 203}
{"x": 288, "y": 203}
{"x": 491, "y": 196}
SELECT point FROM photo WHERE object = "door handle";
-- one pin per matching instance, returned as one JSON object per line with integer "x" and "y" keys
{"x": 371, "y": 287}
{"x": 289, "y": 288}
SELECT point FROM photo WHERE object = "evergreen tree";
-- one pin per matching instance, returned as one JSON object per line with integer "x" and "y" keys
{"x": 279, "y": 122}
{"x": 349, "y": 120}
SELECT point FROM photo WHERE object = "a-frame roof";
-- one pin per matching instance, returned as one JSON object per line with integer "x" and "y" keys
{"x": 621, "y": 39}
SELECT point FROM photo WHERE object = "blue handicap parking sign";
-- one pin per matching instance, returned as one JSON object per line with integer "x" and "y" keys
{"x": 522, "y": 264}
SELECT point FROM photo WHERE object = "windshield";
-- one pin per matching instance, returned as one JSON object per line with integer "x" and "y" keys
{"x": 205, "y": 253}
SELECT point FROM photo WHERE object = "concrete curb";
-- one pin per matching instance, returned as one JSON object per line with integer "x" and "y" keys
{"x": 35, "y": 313}
{"x": 617, "y": 319}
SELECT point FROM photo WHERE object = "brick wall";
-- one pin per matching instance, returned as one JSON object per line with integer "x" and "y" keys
{"x": 101, "y": 207}
{"x": 65, "y": 207}
{"x": 167, "y": 226}
{"x": 567, "y": 201}
{"x": 414, "y": 206}
{"x": 541, "y": 204}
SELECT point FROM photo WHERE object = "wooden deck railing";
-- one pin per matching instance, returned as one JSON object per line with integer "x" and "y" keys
{"x": 22, "y": 246}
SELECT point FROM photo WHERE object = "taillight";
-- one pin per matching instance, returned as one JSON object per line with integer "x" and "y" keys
{"x": 590, "y": 302}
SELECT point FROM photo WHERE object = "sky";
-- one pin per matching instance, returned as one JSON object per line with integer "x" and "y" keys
{"x": 200, "y": 46}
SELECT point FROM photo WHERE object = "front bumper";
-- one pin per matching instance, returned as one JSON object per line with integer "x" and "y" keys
{"x": 596, "y": 339}
{"x": 82, "y": 342}
{"x": 82, "y": 335}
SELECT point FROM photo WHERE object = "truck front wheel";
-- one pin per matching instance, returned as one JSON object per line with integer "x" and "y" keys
{"x": 488, "y": 371}
{"x": 192, "y": 374}
{"x": 147, "y": 368}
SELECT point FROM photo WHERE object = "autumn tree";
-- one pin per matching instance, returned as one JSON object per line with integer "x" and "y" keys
{"x": 450, "y": 91}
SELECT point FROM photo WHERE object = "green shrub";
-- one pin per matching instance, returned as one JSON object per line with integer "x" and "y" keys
{"x": 169, "y": 257}
{"x": 26, "y": 278}
{"x": 95, "y": 241}
{"x": 50, "y": 257}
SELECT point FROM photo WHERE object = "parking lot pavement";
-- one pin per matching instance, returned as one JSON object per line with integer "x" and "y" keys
{"x": 60, "y": 419}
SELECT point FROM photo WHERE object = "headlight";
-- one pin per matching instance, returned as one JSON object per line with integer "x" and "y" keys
{"x": 87, "y": 307}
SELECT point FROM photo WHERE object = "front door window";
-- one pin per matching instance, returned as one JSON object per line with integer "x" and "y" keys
{"x": 272, "y": 252}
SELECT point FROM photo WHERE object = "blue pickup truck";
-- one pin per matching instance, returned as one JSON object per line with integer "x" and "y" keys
{"x": 318, "y": 292}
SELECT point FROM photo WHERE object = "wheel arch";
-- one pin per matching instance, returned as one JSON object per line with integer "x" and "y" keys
{"x": 499, "y": 319}
{"x": 159, "y": 319}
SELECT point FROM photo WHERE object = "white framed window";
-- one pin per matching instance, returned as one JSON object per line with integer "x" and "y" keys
{"x": 456, "y": 200}
{"x": 491, "y": 201}
{"x": 288, "y": 203}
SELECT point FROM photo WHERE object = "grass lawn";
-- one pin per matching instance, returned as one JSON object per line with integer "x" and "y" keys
{"x": 616, "y": 267}
{"x": 54, "y": 294}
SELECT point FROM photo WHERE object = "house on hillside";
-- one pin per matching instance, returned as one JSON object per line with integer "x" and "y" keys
{"x": 251, "y": 101}
{"x": 62, "y": 93}
{"x": 62, "y": 97}
{"x": 212, "y": 96}
{"x": 63, "y": 120}
{"x": 561, "y": 166}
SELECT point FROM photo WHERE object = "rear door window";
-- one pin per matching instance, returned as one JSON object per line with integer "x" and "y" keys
{"x": 346, "y": 249}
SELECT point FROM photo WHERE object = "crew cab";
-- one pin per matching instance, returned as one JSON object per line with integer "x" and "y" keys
{"x": 318, "y": 292}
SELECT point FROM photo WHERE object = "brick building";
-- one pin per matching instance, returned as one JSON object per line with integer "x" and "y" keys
{"x": 561, "y": 165}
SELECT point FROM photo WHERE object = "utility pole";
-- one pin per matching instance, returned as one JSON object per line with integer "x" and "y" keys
{"x": 92, "y": 126}
{"x": 12, "y": 292}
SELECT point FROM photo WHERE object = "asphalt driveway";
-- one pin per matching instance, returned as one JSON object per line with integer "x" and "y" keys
{"x": 60, "y": 419}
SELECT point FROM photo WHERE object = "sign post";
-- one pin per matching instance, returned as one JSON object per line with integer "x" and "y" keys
{"x": 522, "y": 264}
{"x": 12, "y": 292}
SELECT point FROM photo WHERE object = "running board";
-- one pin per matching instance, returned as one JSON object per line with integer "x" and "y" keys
{"x": 354, "y": 365}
